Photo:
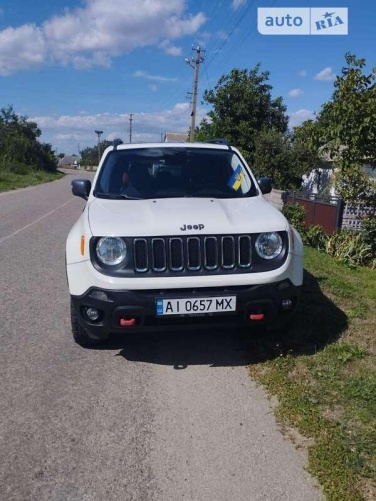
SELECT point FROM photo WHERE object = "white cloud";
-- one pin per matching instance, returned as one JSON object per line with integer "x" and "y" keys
{"x": 96, "y": 33}
{"x": 300, "y": 116}
{"x": 157, "y": 78}
{"x": 21, "y": 48}
{"x": 325, "y": 75}
{"x": 295, "y": 93}
{"x": 302, "y": 73}
{"x": 171, "y": 50}
{"x": 65, "y": 132}
{"x": 153, "y": 87}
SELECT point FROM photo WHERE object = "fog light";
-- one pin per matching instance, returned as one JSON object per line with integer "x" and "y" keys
{"x": 286, "y": 304}
{"x": 92, "y": 314}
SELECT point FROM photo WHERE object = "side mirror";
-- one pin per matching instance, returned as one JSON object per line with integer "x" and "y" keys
{"x": 81, "y": 188}
{"x": 265, "y": 184}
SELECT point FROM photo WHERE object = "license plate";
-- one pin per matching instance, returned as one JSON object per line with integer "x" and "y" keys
{"x": 195, "y": 306}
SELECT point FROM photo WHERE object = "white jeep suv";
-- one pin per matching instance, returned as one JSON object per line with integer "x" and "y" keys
{"x": 178, "y": 233}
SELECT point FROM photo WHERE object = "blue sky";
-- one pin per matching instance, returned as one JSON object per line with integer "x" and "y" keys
{"x": 77, "y": 66}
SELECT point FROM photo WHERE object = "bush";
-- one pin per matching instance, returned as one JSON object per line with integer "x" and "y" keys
{"x": 369, "y": 232}
{"x": 315, "y": 236}
{"x": 295, "y": 214}
{"x": 352, "y": 248}
{"x": 349, "y": 247}
{"x": 19, "y": 168}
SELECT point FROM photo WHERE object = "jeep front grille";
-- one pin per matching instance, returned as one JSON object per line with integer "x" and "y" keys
{"x": 192, "y": 253}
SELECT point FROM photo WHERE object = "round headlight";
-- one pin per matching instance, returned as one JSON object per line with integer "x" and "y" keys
{"x": 111, "y": 250}
{"x": 269, "y": 245}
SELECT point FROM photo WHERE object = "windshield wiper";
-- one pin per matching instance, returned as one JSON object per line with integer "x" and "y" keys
{"x": 112, "y": 196}
{"x": 129, "y": 197}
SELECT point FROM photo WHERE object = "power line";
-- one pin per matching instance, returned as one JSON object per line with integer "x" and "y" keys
{"x": 240, "y": 18}
{"x": 247, "y": 33}
{"x": 207, "y": 76}
{"x": 239, "y": 41}
{"x": 180, "y": 92}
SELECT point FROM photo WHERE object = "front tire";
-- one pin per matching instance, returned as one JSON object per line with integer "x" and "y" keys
{"x": 79, "y": 332}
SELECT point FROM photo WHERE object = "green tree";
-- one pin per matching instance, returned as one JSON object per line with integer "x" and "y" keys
{"x": 20, "y": 149}
{"x": 89, "y": 155}
{"x": 242, "y": 106}
{"x": 307, "y": 146}
{"x": 352, "y": 183}
{"x": 347, "y": 126}
{"x": 276, "y": 156}
{"x": 347, "y": 123}
{"x": 343, "y": 135}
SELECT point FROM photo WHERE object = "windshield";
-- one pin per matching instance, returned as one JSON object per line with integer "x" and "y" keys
{"x": 167, "y": 172}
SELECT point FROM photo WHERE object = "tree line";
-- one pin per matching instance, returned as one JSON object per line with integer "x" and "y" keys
{"x": 20, "y": 149}
{"x": 89, "y": 155}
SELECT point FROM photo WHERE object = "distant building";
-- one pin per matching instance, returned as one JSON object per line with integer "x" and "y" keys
{"x": 70, "y": 161}
{"x": 175, "y": 137}
{"x": 319, "y": 180}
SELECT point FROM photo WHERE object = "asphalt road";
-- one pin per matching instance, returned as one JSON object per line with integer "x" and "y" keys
{"x": 167, "y": 416}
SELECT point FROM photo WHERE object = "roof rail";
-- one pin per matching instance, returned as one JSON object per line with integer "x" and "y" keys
{"x": 116, "y": 143}
{"x": 218, "y": 140}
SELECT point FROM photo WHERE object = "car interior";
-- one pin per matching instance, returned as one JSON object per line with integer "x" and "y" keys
{"x": 141, "y": 175}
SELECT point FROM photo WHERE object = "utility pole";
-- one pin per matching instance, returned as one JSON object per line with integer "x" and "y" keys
{"x": 130, "y": 126}
{"x": 99, "y": 133}
{"x": 195, "y": 64}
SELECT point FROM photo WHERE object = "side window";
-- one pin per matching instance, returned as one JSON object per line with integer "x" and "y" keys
{"x": 110, "y": 179}
{"x": 103, "y": 179}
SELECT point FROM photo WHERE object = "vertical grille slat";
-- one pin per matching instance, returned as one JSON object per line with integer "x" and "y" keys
{"x": 159, "y": 256}
{"x": 244, "y": 251}
{"x": 176, "y": 254}
{"x": 228, "y": 252}
{"x": 193, "y": 253}
{"x": 211, "y": 253}
{"x": 140, "y": 252}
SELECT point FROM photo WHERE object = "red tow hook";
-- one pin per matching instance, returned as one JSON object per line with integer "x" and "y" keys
{"x": 256, "y": 316}
{"x": 127, "y": 322}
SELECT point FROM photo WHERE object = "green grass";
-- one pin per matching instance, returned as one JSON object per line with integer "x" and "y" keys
{"x": 324, "y": 376}
{"x": 12, "y": 181}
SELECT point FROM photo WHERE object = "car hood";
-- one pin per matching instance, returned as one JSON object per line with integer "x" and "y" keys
{"x": 179, "y": 216}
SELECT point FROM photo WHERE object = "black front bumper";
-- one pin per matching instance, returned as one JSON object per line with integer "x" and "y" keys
{"x": 126, "y": 310}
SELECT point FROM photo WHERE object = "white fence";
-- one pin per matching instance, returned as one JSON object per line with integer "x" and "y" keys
{"x": 353, "y": 213}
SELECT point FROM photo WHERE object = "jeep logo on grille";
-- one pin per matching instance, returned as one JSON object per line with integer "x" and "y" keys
{"x": 192, "y": 227}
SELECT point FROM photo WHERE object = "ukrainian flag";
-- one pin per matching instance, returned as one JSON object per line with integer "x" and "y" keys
{"x": 236, "y": 179}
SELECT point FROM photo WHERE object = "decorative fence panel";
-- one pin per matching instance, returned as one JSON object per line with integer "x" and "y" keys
{"x": 332, "y": 213}
{"x": 327, "y": 214}
{"x": 353, "y": 214}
